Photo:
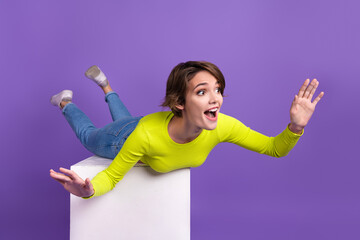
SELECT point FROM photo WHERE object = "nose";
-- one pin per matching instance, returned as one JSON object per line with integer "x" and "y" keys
{"x": 213, "y": 98}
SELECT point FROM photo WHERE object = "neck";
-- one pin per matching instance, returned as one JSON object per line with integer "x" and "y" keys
{"x": 181, "y": 131}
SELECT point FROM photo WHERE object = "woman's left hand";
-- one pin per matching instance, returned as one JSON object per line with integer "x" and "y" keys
{"x": 302, "y": 108}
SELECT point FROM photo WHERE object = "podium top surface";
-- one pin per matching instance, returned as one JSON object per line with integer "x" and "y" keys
{"x": 100, "y": 161}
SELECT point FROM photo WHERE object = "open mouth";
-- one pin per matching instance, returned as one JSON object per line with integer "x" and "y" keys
{"x": 211, "y": 114}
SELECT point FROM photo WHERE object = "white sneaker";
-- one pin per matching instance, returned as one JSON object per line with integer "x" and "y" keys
{"x": 94, "y": 73}
{"x": 65, "y": 95}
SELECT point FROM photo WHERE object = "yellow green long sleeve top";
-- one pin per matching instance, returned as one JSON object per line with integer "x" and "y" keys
{"x": 150, "y": 142}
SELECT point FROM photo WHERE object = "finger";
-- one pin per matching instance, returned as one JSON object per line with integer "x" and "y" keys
{"x": 303, "y": 87}
{"x": 71, "y": 173}
{"x": 60, "y": 181}
{"x": 88, "y": 184}
{"x": 296, "y": 99}
{"x": 54, "y": 173}
{"x": 318, "y": 98}
{"x": 60, "y": 176}
{"x": 310, "y": 88}
{"x": 313, "y": 90}
{"x": 294, "y": 102}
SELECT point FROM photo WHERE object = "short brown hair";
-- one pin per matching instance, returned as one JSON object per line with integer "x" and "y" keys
{"x": 179, "y": 78}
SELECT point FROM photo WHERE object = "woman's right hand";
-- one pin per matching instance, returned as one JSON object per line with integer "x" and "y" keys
{"x": 73, "y": 183}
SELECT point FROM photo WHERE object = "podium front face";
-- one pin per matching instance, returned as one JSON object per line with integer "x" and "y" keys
{"x": 144, "y": 205}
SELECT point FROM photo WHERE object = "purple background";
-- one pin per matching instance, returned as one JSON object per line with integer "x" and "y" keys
{"x": 266, "y": 49}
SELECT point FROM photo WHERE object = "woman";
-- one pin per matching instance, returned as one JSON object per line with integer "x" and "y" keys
{"x": 171, "y": 140}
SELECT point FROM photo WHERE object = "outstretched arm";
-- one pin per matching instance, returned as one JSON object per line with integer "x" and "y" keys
{"x": 302, "y": 107}
{"x": 73, "y": 183}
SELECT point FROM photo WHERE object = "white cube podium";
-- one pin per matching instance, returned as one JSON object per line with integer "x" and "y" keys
{"x": 144, "y": 205}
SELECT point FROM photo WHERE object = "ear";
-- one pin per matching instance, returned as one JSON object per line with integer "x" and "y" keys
{"x": 180, "y": 107}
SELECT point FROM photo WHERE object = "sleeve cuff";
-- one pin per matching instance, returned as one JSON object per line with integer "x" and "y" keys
{"x": 292, "y": 133}
{"x": 89, "y": 196}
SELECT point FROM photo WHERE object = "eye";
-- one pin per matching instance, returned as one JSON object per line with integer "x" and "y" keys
{"x": 201, "y": 92}
{"x": 217, "y": 90}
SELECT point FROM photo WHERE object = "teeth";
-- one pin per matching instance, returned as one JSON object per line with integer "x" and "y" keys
{"x": 213, "y": 110}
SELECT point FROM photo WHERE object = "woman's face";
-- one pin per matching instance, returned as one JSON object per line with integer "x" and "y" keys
{"x": 202, "y": 101}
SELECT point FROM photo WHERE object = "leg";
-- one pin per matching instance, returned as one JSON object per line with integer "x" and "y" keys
{"x": 96, "y": 140}
{"x": 116, "y": 106}
{"x": 78, "y": 121}
{"x": 105, "y": 142}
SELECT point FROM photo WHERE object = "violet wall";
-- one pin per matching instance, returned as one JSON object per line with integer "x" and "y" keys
{"x": 266, "y": 49}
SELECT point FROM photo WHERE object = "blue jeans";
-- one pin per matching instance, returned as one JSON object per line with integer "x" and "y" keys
{"x": 107, "y": 141}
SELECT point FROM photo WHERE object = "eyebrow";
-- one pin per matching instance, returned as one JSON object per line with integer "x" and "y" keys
{"x": 204, "y": 83}
{"x": 200, "y": 84}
